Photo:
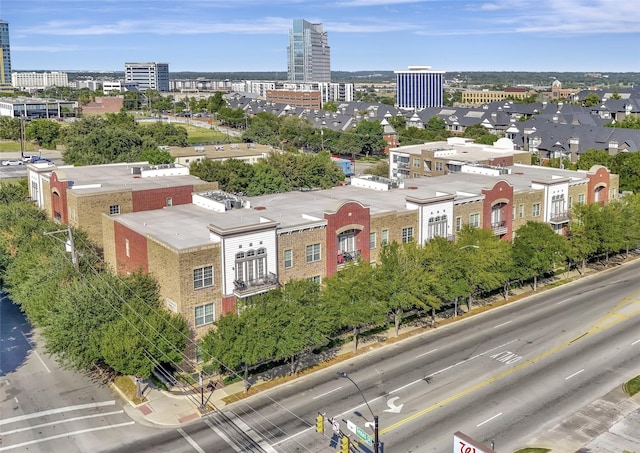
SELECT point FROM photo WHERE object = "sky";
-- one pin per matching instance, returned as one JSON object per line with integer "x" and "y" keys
{"x": 364, "y": 35}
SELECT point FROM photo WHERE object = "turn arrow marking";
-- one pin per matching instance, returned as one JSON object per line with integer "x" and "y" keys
{"x": 392, "y": 407}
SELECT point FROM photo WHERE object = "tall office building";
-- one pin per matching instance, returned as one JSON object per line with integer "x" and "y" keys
{"x": 309, "y": 53}
{"x": 419, "y": 87}
{"x": 147, "y": 76}
{"x": 5, "y": 65}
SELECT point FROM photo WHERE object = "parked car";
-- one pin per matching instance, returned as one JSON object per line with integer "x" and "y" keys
{"x": 39, "y": 160}
{"x": 29, "y": 158}
{"x": 11, "y": 162}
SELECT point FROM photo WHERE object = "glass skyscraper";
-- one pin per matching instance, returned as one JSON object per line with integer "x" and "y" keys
{"x": 309, "y": 53}
{"x": 419, "y": 87}
{"x": 5, "y": 66}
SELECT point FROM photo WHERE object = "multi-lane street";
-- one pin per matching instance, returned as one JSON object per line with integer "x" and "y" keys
{"x": 499, "y": 377}
{"x": 503, "y": 377}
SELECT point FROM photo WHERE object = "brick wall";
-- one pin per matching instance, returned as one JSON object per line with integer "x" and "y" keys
{"x": 130, "y": 250}
{"x": 297, "y": 242}
{"x": 500, "y": 193}
{"x": 174, "y": 271}
{"x": 90, "y": 208}
{"x": 598, "y": 181}
{"x": 465, "y": 210}
{"x": 58, "y": 198}
{"x": 147, "y": 200}
{"x": 350, "y": 215}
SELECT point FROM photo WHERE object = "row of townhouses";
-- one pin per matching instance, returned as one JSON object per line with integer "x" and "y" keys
{"x": 208, "y": 249}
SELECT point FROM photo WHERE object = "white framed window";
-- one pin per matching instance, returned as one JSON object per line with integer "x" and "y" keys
{"x": 251, "y": 265}
{"x": 204, "y": 314}
{"x": 385, "y": 237}
{"x": 581, "y": 198}
{"x": 313, "y": 253}
{"x": 407, "y": 234}
{"x": 458, "y": 223}
{"x": 169, "y": 201}
{"x": 416, "y": 163}
{"x": 127, "y": 251}
{"x": 114, "y": 209}
{"x": 372, "y": 240}
{"x": 316, "y": 279}
{"x": 203, "y": 277}
{"x": 437, "y": 226}
{"x": 288, "y": 259}
{"x": 521, "y": 211}
{"x": 570, "y": 204}
{"x": 536, "y": 210}
{"x": 474, "y": 220}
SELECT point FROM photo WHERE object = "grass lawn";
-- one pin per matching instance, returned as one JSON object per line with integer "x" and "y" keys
{"x": 633, "y": 386}
{"x": 8, "y": 145}
{"x": 128, "y": 387}
{"x": 199, "y": 135}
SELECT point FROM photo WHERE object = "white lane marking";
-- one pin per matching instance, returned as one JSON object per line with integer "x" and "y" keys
{"x": 447, "y": 368}
{"x": 251, "y": 433}
{"x": 488, "y": 420}
{"x": 223, "y": 436}
{"x": 59, "y": 422}
{"x": 425, "y": 353}
{"x": 635, "y": 342}
{"x": 503, "y": 324}
{"x": 325, "y": 393}
{"x": 36, "y": 352}
{"x": 193, "y": 443}
{"x": 56, "y": 411}
{"x": 59, "y": 436}
{"x": 574, "y": 374}
{"x": 15, "y": 398}
{"x": 563, "y": 301}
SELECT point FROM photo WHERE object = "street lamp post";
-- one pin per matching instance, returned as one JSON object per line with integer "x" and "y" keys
{"x": 376, "y": 442}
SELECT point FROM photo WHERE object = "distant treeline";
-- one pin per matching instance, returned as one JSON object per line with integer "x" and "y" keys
{"x": 505, "y": 78}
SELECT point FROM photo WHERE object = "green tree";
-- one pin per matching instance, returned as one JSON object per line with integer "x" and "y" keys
{"x": 297, "y": 319}
{"x": 593, "y": 157}
{"x": 591, "y": 100}
{"x": 156, "y": 157}
{"x": 370, "y": 136}
{"x": 330, "y": 107}
{"x": 583, "y": 236}
{"x": 166, "y": 134}
{"x": 9, "y": 128}
{"x": 44, "y": 132}
{"x": 537, "y": 249}
{"x": 627, "y": 165}
{"x": 402, "y": 283}
{"x": 267, "y": 179}
{"x": 144, "y": 334}
{"x": 351, "y": 298}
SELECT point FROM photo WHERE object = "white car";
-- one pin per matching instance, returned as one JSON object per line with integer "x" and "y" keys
{"x": 11, "y": 162}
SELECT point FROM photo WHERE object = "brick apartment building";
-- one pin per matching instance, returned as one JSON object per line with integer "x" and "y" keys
{"x": 221, "y": 248}
{"x": 78, "y": 196}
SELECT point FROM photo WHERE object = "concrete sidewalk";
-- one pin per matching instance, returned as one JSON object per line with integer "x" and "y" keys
{"x": 609, "y": 424}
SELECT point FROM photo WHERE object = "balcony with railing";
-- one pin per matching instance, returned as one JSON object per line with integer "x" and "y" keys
{"x": 560, "y": 217}
{"x": 499, "y": 228}
{"x": 246, "y": 288}
{"x": 345, "y": 257}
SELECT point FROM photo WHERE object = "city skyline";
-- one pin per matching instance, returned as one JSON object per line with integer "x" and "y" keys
{"x": 364, "y": 35}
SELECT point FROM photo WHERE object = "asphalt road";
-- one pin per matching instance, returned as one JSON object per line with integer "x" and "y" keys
{"x": 503, "y": 376}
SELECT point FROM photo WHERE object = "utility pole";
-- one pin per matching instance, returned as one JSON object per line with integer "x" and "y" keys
{"x": 69, "y": 244}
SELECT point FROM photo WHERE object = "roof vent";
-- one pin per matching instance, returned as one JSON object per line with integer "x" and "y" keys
{"x": 260, "y": 208}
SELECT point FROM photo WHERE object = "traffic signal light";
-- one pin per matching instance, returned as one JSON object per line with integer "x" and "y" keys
{"x": 320, "y": 423}
{"x": 344, "y": 444}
